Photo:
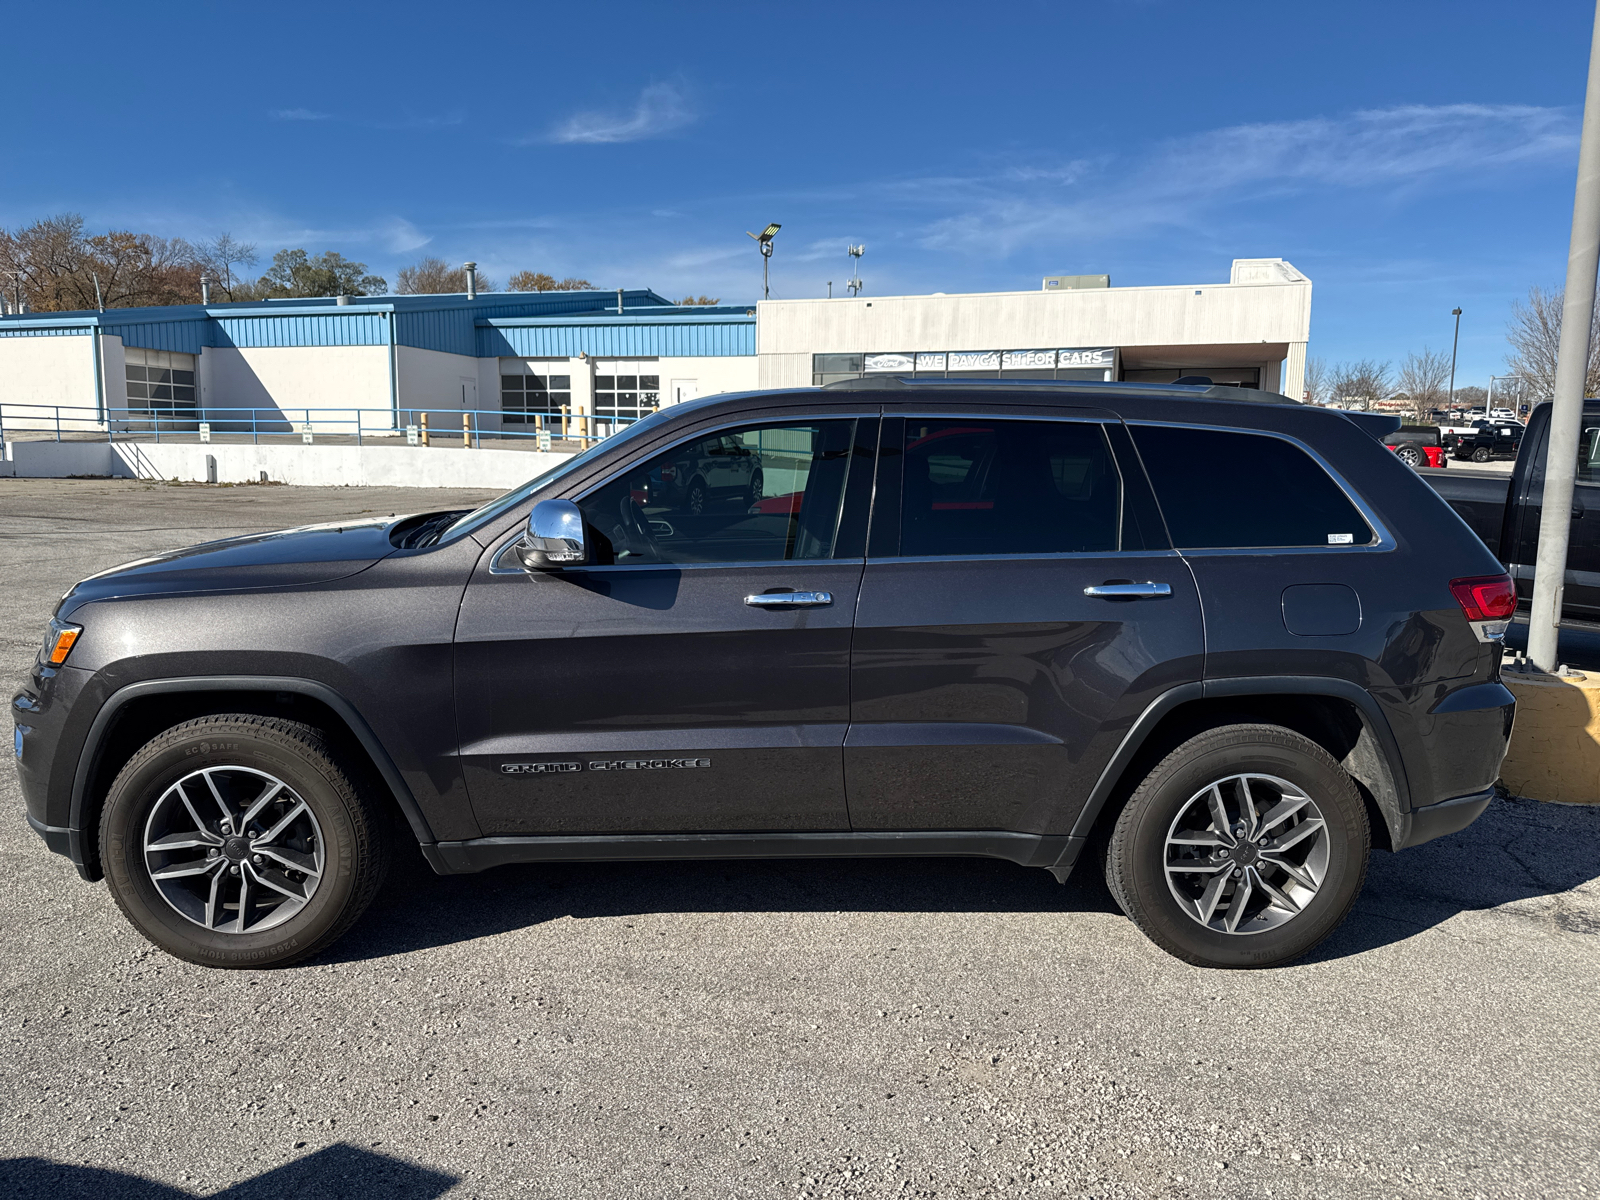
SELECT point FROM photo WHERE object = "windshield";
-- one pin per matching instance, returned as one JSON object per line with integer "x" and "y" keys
{"x": 497, "y": 507}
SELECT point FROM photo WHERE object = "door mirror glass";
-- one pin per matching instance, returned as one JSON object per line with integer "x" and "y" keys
{"x": 554, "y": 537}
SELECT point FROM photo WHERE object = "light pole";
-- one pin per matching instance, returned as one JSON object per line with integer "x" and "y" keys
{"x": 764, "y": 240}
{"x": 1456, "y": 313}
{"x": 1572, "y": 360}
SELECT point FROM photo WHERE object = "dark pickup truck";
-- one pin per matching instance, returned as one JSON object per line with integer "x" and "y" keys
{"x": 1485, "y": 440}
{"x": 1504, "y": 511}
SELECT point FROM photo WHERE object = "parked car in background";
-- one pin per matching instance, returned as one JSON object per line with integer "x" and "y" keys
{"x": 1209, "y": 641}
{"x": 1484, "y": 440}
{"x": 1504, "y": 511}
{"x": 1417, "y": 446}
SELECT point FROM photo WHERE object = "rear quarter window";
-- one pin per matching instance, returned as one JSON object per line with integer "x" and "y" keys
{"x": 1224, "y": 490}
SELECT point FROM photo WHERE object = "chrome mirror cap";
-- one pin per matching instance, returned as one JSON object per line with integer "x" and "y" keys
{"x": 554, "y": 537}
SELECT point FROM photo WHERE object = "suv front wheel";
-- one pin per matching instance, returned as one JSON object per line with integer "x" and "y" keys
{"x": 240, "y": 841}
{"x": 1244, "y": 847}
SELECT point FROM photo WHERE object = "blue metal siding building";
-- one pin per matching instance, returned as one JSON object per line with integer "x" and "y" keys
{"x": 486, "y": 326}
{"x": 601, "y": 335}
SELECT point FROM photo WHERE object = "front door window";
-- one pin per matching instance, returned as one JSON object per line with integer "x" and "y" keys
{"x": 765, "y": 493}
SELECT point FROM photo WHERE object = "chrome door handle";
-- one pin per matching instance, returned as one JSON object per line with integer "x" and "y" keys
{"x": 1129, "y": 589}
{"x": 789, "y": 599}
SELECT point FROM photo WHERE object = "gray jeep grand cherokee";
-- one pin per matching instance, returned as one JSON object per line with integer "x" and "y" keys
{"x": 1218, "y": 641}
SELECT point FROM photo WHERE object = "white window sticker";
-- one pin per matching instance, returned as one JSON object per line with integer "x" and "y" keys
{"x": 1341, "y": 539}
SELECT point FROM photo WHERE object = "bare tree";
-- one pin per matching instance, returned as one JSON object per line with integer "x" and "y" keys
{"x": 1317, "y": 381}
{"x": 434, "y": 276}
{"x": 1360, "y": 384}
{"x": 220, "y": 258}
{"x": 1535, "y": 336}
{"x": 701, "y": 300}
{"x": 1425, "y": 378}
{"x": 538, "y": 281}
{"x": 54, "y": 266}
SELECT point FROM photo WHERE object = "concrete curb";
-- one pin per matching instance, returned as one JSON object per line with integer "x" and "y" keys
{"x": 352, "y": 466}
{"x": 1555, "y": 748}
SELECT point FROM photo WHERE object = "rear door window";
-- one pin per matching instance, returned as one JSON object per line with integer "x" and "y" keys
{"x": 982, "y": 487}
{"x": 1224, "y": 490}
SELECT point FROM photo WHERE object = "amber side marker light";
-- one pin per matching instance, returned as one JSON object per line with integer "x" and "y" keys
{"x": 60, "y": 642}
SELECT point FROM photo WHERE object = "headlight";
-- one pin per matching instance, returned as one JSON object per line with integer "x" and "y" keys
{"x": 60, "y": 640}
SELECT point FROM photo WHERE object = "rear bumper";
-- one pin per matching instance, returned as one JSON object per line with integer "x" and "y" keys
{"x": 1446, "y": 817}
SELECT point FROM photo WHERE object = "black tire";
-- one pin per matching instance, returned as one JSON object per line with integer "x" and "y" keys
{"x": 1138, "y": 852}
{"x": 757, "y": 483}
{"x": 354, "y": 838}
{"x": 1481, "y": 455}
{"x": 1411, "y": 456}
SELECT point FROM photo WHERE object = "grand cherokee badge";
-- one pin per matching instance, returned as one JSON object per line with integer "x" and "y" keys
{"x": 543, "y": 768}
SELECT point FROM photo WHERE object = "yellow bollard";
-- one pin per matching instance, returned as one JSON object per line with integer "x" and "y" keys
{"x": 424, "y": 424}
{"x": 466, "y": 431}
{"x": 566, "y": 412}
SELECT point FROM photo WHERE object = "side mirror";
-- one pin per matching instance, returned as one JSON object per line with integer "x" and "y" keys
{"x": 554, "y": 538}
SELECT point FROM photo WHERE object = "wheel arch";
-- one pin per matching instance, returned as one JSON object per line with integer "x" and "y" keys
{"x": 134, "y": 714}
{"x": 1339, "y": 716}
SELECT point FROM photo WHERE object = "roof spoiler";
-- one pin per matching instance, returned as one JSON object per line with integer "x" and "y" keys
{"x": 1379, "y": 425}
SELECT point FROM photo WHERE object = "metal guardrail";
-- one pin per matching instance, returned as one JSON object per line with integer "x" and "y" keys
{"x": 77, "y": 422}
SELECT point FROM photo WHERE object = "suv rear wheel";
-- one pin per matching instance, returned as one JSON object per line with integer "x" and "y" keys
{"x": 1244, "y": 847}
{"x": 239, "y": 841}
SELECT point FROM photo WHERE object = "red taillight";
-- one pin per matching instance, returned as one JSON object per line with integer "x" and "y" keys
{"x": 1486, "y": 597}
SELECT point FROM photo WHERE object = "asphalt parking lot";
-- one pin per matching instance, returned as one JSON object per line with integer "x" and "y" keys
{"x": 785, "y": 1029}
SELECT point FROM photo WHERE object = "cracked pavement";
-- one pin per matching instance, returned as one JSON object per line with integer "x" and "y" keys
{"x": 909, "y": 1028}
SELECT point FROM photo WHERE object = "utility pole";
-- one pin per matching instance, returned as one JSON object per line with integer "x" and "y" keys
{"x": 1572, "y": 361}
{"x": 1456, "y": 341}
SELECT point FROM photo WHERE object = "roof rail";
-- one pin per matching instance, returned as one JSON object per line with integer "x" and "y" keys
{"x": 1169, "y": 391}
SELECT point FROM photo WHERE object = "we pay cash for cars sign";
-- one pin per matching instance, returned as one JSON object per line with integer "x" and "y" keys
{"x": 609, "y": 764}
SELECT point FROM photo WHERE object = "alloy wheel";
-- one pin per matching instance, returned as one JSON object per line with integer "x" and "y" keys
{"x": 233, "y": 849}
{"x": 1246, "y": 854}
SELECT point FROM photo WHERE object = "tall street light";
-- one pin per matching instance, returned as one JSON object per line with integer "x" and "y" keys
{"x": 1456, "y": 313}
{"x": 1572, "y": 360}
{"x": 764, "y": 240}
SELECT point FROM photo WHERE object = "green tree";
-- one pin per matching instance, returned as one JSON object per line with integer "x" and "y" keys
{"x": 294, "y": 273}
{"x": 700, "y": 300}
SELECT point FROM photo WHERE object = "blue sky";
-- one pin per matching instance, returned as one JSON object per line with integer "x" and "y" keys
{"x": 1409, "y": 157}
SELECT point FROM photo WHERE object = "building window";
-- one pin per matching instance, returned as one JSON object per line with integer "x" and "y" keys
{"x": 527, "y": 389}
{"x": 626, "y": 397}
{"x": 827, "y": 368}
{"x": 160, "y": 381}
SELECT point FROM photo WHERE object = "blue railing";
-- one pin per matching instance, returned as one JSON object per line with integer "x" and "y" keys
{"x": 421, "y": 426}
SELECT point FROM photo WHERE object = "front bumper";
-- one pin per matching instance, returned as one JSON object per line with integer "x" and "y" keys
{"x": 47, "y": 735}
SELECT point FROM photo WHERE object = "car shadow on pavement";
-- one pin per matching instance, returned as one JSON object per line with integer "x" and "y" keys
{"x": 1518, "y": 850}
{"x": 340, "y": 1171}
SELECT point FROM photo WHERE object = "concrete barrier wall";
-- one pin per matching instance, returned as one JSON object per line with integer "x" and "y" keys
{"x": 1555, "y": 748}
{"x": 352, "y": 466}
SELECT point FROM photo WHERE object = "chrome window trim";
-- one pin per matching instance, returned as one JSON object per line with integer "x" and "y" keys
{"x": 1044, "y": 556}
{"x": 1383, "y": 540}
{"x": 497, "y": 567}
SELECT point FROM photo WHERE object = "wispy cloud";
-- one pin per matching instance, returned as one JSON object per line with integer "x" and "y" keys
{"x": 298, "y": 114}
{"x": 662, "y": 107}
{"x": 1389, "y": 151}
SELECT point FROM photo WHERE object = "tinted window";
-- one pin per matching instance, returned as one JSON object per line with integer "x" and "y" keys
{"x": 1242, "y": 490}
{"x": 760, "y": 494}
{"x": 1008, "y": 487}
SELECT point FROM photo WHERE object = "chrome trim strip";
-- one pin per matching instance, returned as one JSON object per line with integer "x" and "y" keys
{"x": 1131, "y": 590}
{"x": 785, "y": 564}
{"x": 1063, "y": 556}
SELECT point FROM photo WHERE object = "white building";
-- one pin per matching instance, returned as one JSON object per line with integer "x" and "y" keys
{"x": 512, "y": 358}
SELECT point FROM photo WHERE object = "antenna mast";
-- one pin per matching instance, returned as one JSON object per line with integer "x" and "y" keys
{"x": 855, "y": 252}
